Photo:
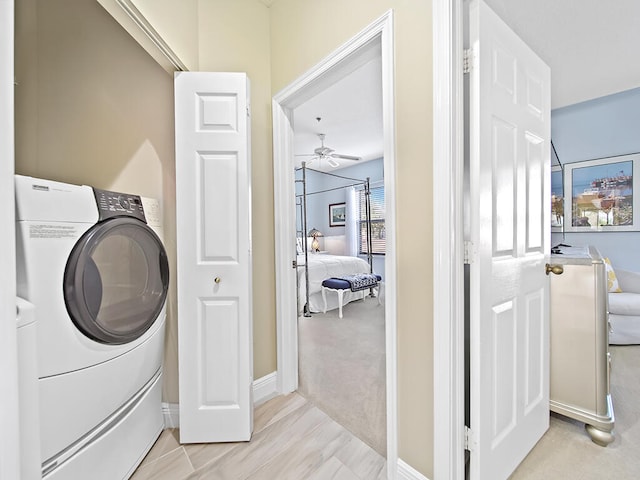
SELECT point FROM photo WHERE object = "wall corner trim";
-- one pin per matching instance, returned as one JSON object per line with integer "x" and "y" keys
{"x": 264, "y": 388}
{"x": 171, "y": 415}
{"x": 407, "y": 472}
{"x": 132, "y": 20}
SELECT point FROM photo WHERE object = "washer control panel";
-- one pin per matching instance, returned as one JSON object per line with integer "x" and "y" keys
{"x": 115, "y": 204}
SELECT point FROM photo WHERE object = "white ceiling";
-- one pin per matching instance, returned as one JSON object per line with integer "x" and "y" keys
{"x": 588, "y": 44}
{"x": 350, "y": 113}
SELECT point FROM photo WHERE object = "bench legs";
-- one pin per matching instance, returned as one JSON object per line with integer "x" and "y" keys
{"x": 340, "y": 297}
{"x": 379, "y": 291}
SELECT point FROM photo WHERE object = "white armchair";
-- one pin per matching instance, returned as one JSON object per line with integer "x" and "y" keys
{"x": 624, "y": 309}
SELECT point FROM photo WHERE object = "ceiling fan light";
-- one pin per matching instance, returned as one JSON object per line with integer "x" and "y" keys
{"x": 325, "y": 153}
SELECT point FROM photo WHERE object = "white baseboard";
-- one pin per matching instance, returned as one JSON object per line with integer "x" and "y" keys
{"x": 171, "y": 414}
{"x": 407, "y": 472}
{"x": 264, "y": 389}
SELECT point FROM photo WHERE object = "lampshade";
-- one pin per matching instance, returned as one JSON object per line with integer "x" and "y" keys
{"x": 314, "y": 232}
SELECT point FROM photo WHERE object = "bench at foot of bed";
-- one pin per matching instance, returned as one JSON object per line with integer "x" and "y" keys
{"x": 340, "y": 286}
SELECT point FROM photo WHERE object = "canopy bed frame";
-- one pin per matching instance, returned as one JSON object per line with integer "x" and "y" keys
{"x": 336, "y": 264}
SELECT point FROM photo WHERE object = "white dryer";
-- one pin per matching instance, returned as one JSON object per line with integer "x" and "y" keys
{"x": 98, "y": 277}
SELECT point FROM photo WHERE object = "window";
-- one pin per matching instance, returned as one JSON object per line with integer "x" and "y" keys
{"x": 378, "y": 234}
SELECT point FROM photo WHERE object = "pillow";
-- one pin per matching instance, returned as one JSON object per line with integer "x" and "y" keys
{"x": 612, "y": 280}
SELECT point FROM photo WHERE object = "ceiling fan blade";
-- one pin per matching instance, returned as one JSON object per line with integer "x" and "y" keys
{"x": 311, "y": 160}
{"x": 332, "y": 162}
{"x": 323, "y": 151}
{"x": 345, "y": 157}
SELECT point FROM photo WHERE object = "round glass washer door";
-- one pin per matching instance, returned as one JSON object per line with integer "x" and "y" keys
{"x": 116, "y": 280}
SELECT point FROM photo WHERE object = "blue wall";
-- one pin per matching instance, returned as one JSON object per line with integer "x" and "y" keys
{"x": 318, "y": 205}
{"x": 604, "y": 127}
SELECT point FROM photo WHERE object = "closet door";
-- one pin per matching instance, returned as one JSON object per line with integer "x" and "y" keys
{"x": 213, "y": 220}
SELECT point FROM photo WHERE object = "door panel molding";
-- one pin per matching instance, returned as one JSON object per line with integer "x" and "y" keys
{"x": 214, "y": 274}
{"x": 503, "y": 355}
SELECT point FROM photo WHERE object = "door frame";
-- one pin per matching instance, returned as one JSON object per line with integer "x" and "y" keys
{"x": 448, "y": 261}
{"x": 375, "y": 39}
{"x": 9, "y": 415}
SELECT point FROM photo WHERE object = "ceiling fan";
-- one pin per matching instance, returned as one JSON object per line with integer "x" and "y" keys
{"x": 326, "y": 153}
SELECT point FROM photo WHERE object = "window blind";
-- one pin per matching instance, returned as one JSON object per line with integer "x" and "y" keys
{"x": 378, "y": 234}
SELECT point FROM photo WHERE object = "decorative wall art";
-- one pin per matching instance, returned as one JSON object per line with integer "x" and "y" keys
{"x": 337, "y": 214}
{"x": 557, "y": 199}
{"x": 599, "y": 195}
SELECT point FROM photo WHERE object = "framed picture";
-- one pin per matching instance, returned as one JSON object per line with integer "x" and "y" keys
{"x": 337, "y": 213}
{"x": 557, "y": 199}
{"x": 602, "y": 196}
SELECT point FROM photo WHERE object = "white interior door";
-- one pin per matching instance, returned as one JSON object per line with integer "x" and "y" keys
{"x": 510, "y": 241}
{"x": 213, "y": 220}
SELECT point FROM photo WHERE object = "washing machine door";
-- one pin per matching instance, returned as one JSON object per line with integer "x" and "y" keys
{"x": 116, "y": 280}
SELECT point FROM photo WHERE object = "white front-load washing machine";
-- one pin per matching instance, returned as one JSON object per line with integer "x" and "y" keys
{"x": 98, "y": 277}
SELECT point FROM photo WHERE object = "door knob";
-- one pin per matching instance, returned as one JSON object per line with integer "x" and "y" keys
{"x": 555, "y": 269}
{"x": 217, "y": 279}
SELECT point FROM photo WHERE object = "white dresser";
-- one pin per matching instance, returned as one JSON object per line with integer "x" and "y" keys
{"x": 580, "y": 358}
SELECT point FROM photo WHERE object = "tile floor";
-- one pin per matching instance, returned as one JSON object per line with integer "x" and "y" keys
{"x": 292, "y": 439}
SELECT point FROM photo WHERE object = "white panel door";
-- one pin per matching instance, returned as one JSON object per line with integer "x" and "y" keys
{"x": 213, "y": 220}
{"x": 510, "y": 236}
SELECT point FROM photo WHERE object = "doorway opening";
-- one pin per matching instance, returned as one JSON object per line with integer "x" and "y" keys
{"x": 341, "y": 333}
{"x": 374, "y": 41}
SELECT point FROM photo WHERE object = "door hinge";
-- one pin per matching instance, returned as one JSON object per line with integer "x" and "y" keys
{"x": 294, "y": 264}
{"x": 469, "y": 439}
{"x": 469, "y": 253}
{"x": 467, "y": 60}
{"x": 248, "y": 112}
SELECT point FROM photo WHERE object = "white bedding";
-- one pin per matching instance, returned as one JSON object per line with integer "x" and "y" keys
{"x": 321, "y": 267}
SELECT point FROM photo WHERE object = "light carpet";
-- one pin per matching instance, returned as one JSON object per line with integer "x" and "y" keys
{"x": 342, "y": 371}
{"x": 342, "y": 368}
{"x": 566, "y": 450}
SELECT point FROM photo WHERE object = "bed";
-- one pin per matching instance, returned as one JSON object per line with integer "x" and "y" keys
{"x": 321, "y": 267}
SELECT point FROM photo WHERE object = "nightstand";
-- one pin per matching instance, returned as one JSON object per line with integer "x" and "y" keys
{"x": 580, "y": 342}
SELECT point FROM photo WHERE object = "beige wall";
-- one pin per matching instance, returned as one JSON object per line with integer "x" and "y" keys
{"x": 176, "y": 26}
{"x": 103, "y": 108}
{"x": 93, "y": 85}
{"x": 302, "y": 33}
{"x": 92, "y": 107}
{"x": 234, "y": 37}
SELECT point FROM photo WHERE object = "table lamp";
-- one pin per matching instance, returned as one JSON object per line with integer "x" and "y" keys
{"x": 315, "y": 244}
